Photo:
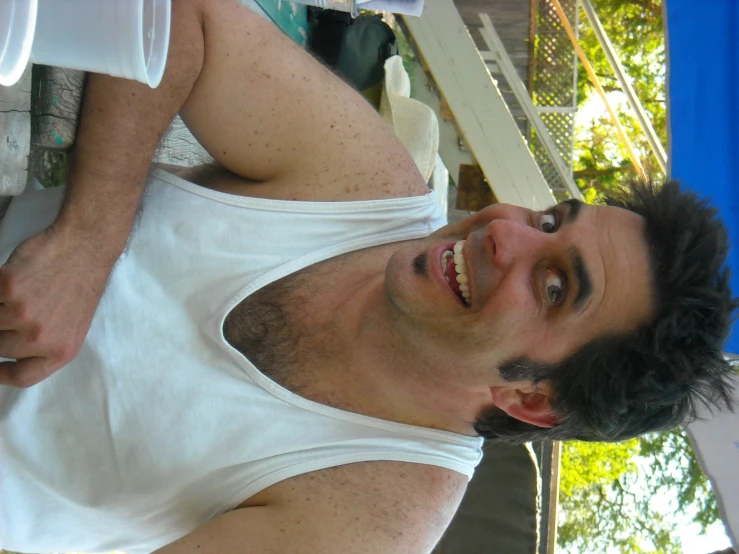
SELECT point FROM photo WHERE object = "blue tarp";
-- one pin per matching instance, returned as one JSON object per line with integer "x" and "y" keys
{"x": 703, "y": 103}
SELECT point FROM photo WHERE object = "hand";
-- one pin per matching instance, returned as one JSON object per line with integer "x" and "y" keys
{"x": 49, "y": 290}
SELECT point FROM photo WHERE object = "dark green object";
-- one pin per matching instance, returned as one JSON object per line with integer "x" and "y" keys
{"x": 499, "y": 511}
{"x": 367, "y": 43}
{"x": 355, "y": 48}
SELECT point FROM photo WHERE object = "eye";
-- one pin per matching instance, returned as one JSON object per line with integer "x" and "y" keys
{"x": 554, "y": 287}
{"x": 548, "y": 223}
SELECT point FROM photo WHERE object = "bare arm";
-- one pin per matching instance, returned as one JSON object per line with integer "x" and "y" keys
{"x": 52, "y": 283}
{"x": 363, "y": 508}
{"x": 121, "y": 124}
{"x": 260, "y": 105}
{"x": 268, "y": 111}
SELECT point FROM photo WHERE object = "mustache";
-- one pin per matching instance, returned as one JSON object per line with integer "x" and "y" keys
{"x": 421, "y": 266}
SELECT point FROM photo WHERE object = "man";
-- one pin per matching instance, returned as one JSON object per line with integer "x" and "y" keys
{"x": 382, "y": 352}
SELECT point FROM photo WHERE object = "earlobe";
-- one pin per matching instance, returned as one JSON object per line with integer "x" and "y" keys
{"x": 525, "y": 404}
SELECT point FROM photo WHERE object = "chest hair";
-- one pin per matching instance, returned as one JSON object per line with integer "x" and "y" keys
{"x": 275, "y": 328}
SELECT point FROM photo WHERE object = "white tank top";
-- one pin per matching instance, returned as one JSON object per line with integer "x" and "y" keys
{"x": 159, "y": 425}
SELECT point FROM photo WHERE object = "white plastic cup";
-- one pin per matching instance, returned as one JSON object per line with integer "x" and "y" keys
{"x": 17, "y": 25}
{"x": 122, "y": 38}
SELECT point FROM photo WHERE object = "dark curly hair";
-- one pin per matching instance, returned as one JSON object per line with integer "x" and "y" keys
{"x": 654, "y": 378}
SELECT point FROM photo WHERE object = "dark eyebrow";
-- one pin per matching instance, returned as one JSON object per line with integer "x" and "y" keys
{"x": 582, "y": 276}
{"x": 584, "y": 284}
{"x": 574, "y": 209}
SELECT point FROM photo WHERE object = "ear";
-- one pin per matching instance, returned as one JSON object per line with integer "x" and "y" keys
{"x": 526, "y": 402}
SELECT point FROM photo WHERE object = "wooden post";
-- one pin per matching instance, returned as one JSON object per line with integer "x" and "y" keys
{"x": 15, "y": 135}
{"x": 55, "y": 108}
{"x": 57, "y": 98}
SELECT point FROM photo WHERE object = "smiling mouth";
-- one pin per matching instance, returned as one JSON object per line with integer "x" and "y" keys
{"x": 455, "y": 271}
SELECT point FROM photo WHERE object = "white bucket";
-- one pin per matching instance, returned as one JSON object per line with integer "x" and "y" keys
{"x": 17, "y": 24}
{"x": 123, "y": 38}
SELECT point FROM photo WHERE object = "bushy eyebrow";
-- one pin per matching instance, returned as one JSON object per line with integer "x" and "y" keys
{"x": 574, "y": 209}
{"x": 582, "y": 276}
{"x": 584, "y": 284}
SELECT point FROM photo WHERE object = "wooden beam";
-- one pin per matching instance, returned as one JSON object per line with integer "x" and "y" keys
{"x": 533, "y": 29}
{"x": 180, "y": 147}
{"x": 497, "y": 49}
{"x": 452, "y": 153}
{"x": 480, "y": 112}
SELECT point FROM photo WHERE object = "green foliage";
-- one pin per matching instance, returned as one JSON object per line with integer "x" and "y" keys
{"x": 608, "y": 492}
{"x": 598, "y": 464}
{"x": 635, "y": 28}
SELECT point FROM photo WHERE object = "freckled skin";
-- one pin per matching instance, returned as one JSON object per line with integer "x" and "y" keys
{"x": 254, "y": 100}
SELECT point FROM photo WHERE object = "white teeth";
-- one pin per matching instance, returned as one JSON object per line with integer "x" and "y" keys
{"x": 461, "y": 268}
{"x": 444, "y": 260}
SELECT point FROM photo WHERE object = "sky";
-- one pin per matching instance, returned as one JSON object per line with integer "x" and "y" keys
{"x": 715, "y": 539}
{"x": 689, "y": 533}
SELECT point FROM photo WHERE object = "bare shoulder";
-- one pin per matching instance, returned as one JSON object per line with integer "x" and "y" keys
{"x": 362, "y": 508}
{"x": 284, "y": 125}
{"x": 397, "y": 501}
{"x": 367, "y": 479}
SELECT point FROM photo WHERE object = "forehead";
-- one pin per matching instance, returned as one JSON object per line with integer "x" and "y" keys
{"x": 614, "y": 252}
{"x": 610, "y": 243}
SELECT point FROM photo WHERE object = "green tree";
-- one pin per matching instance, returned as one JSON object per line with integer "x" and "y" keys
{"x": 608, "y": 492}
{"x": 635, "y": 27}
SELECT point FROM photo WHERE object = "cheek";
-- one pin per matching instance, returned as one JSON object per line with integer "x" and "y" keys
{"x": 414, "y": 296}
{"x": 512, "y": 315}
{"x": 400, "y": 281}
{"x": 520, "y": 327}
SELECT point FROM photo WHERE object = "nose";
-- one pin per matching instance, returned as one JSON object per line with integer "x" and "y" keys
{"x": 512, "y": 240}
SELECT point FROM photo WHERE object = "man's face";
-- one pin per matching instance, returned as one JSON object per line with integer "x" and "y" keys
{"x": 540, "y": 284}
